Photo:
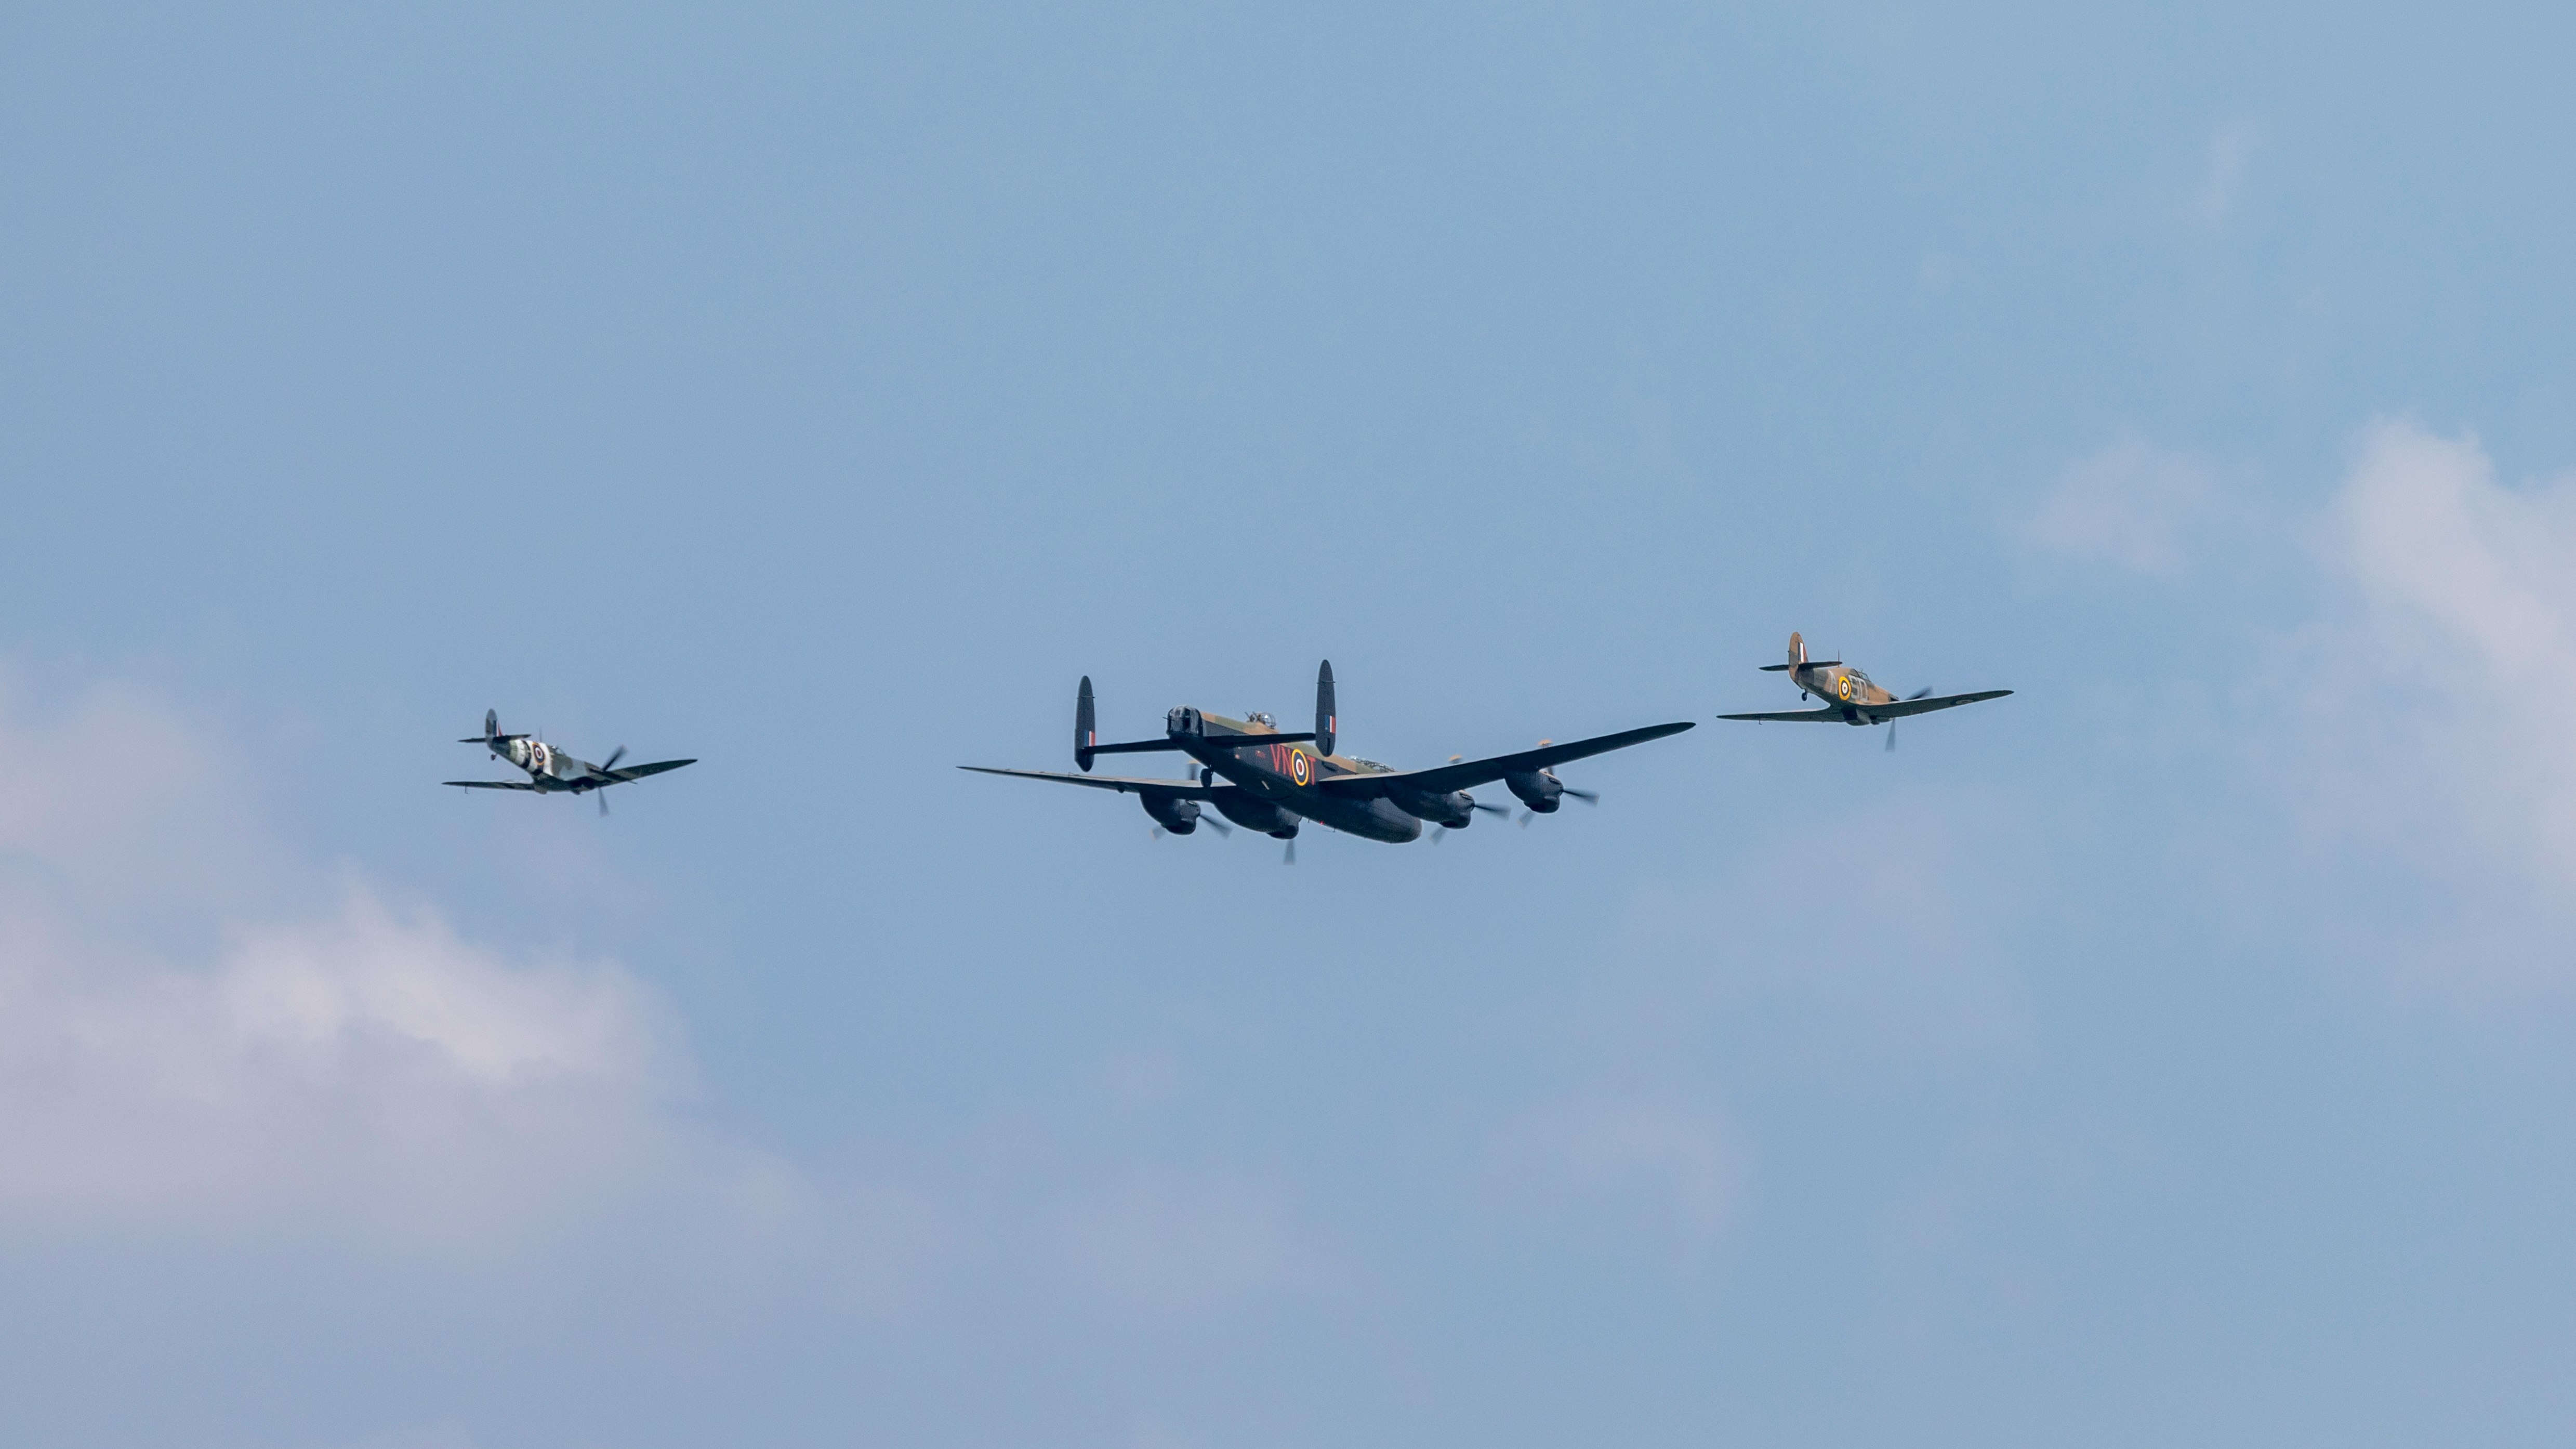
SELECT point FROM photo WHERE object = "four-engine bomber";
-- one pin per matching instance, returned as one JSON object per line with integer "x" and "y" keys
{"x": 1266, "y": 779}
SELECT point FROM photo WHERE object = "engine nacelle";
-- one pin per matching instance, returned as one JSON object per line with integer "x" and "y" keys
{"x": 1254, "y": 814}
{"x": 1455, "y": 809}
{"x": 1539, "y": 790}
{"x": 1173, "y": 814}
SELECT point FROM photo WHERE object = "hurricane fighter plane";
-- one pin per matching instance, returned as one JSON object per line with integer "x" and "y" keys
{"x": 551, "y": 771}
{"x": 1266, "y": 779}
{"x": 1852, "y": 697}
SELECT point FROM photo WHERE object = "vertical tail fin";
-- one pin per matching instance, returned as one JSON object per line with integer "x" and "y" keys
{"x": 1086, "y": 732}
{"x": 1326, "y": 721}
{"x": 491, "y": 723}
{"x": 1797, "y": 651}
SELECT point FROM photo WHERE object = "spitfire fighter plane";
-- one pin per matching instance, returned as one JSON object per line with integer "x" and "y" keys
{"x": 1851, "y": 697}
{"x": 1272, "y": 781}
{"x": 551, "y": 771}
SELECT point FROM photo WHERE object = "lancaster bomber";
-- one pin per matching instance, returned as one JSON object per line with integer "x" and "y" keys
{"x": 551, "y": 771}
{"x": 1851, "y": 697}
{"x": 1272, "y": 781}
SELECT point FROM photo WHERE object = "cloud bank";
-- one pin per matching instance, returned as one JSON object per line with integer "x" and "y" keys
{"x": 2405, "y": 740}
{"x": 2435, "y": 701}
{"x": 183, "y": 1047}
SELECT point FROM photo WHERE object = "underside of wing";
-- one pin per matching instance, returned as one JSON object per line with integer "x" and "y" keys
{"x": 1167, "y": 789}
{"x": 1904, "y": 707}
{"x": 1795, "y": 716}
{"x": 493, "y": 785}
{"x": 624, "y": 773}
{"x": 1445, "y": 778}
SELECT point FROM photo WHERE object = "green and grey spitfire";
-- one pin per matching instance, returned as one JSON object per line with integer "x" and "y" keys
{"x": 550, "y": 770}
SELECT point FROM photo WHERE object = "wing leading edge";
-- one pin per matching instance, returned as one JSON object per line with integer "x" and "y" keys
{"x": 1904, "y": 707}
{"x": 1896, "y": 710}
{"x": 1167, "y": 789}
{"x": 1442, "y": 779}
{"x": 625, "y": 773}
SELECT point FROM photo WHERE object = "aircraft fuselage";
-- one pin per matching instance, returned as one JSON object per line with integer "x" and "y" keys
{"x": 1284, "y": 777}
{"x": 550, "y": 769}
{"x": 1842, "y": 688}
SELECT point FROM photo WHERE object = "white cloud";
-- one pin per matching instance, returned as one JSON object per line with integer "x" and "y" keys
{"x": 181, "y": 1048}
{"x": 2473, "y": 574}
{"x": 2136, "y": 507}
{"x": 2424, "y": 724}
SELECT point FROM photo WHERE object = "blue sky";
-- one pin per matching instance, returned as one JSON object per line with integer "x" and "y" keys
{"x": 2171, "y": 1052}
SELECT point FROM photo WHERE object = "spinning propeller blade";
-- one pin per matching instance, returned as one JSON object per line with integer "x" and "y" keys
{"x": 608, "y": 769}
{"x": 1923, "y": 693}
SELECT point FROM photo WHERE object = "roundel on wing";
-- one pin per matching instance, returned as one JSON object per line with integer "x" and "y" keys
{"x": 1297, "y": 769}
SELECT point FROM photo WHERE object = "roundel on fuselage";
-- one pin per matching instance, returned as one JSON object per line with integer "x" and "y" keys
{"x": 1298, "y": 769}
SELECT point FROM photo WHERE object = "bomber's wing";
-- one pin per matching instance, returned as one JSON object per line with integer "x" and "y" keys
{"x": 493, "y": 785}
{"x": 1167, "y": 789}
{"x": 624, "y": 773}
{"x": 1904, "y": 707}
{"x": 1441, "y": 779}
{"x": 1799, "y": 716}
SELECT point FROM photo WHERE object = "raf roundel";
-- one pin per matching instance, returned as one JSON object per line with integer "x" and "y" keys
{"x": 1256, "y": 775}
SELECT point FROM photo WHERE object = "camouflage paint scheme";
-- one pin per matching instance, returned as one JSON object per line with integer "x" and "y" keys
{"x": 550, "y": 770}
{"x": 1850, "y": 696}
{"x": 1266, "y": 780}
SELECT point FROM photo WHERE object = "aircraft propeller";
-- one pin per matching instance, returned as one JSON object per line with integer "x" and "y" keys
{"x": 1924, "y": 692}
{"x": 1291, "y": 857}
{"x": 608, "y": 768}
{"x": 1588, "y": 797}
{"x": 1472, "y": 804}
